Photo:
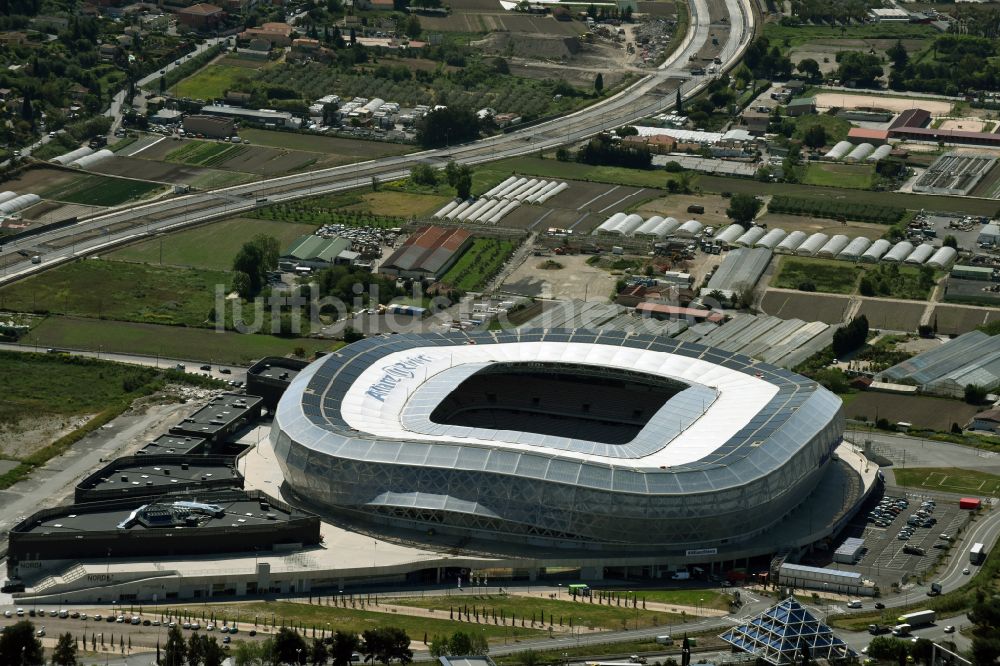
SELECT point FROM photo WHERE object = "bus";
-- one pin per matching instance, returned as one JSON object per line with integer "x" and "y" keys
{"x": 977, "y": 553}
{"x": 581, "y": 589}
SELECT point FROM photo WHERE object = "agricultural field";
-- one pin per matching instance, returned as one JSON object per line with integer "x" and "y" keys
{"x": 203, "y": 344}
{"x": 354, "y": 620}
{"x": 892, "y": 315}
{"x": 950, "y": 319}
{"x": 119, "y": 290}
{"x": 205, "y": 153}
{"x": 796, "y": 35}
{"x": 493, "y": 173}
{"x": 211, "y": 246}
{"x": 949, "y": 480}
{"x": 214, "y": 80}
{"x": 95, "y": 190}
{"x": 169, "y": 172}
{"x": 923, "y": 412}
{"x": 478, "y": 264}
{"x": 851, "y": 176}
{"x": 805, "y": 306}
{"x": 825, "y": 275}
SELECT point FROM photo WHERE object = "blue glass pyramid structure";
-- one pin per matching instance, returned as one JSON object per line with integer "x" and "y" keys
{"x": 781, "y": 634}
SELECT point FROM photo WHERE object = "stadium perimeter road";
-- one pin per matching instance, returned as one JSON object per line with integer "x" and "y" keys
{"x": 652, "y": 94}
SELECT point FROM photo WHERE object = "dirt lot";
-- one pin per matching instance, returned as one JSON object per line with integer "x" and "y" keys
{"x": 807, "y": 307}
{"x": 31, "y": 434}
{"x": 500, "y": 20}
{"x": 575, "y": 280}
{"x": 39, "y": 179}
{"x": 828, "y": 100}
{"x": 921, "y": 411}
{"x": 581, "y": 207}
{"x": 952, "y": 319}
{"x": 259, "y": 160}
{"x": 968, "y": 124}
{"x": 827, "y": 49}
{"x": 892, "y": 316}
{"x": 53, "y": 211}
{"x": 676, "y": 206}
{"x": 810, "y": 225}
{"x": 168, "y": 172}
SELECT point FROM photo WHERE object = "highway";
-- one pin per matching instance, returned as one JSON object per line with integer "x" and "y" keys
{"x": 733, "y": 20}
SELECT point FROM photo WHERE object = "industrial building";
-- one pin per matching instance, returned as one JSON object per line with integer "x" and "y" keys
{"x": 153, "y": 475}
{"x": 221, "y": 417}
{"x": 714, "y": 450}
{"x": 427, "y": 253}
{"x": 954, "y": 173}
{"x": 972, "y": 358}
{"x": 269, "y": 378}
{"x": 849, "y": 550}
{"x": 203, "y": 523}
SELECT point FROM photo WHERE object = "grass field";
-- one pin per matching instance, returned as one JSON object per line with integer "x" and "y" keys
{"x": 94, "y": 190}
{"x": 786, "y": 37}
{"x": 119, "y": 290}
{"x": 827, "y": 275}
{"x": 949, "y": 480}
{"x": 479, "y": 263}
{"x": 836, "y": 128}
{"x": 399, "y": 204}
{"x": 694, "y": 598}
{"x": 354, "y": 620}
{"x": 213, "y": 81}
{"x": 212, "y": 246}
{"x": 851, "y": 176}
{"x": 205, "y": 153}
{"x": 197, "y": 344}
{"x": 582, "y": 613}
{"x": 486, "y": 177}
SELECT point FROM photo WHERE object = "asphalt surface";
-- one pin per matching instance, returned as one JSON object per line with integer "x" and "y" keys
{"x": 651, "y": 94}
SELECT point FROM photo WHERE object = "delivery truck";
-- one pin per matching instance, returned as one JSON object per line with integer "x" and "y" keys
{"x": 917, "y": 618}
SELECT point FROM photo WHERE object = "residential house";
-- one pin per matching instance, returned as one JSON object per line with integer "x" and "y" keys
{"x": 201, "y": 16}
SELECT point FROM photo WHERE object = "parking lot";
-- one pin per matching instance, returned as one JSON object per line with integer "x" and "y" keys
{"x": 885, "y": 559}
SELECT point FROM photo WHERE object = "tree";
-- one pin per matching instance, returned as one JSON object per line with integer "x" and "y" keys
{"x": 18, "y": 645}
{"x": 447, "y": 126}
{"x": 851, "y": 336}
{"x": 423, "y": 174}
{"x": 64, "y": 653}
{"x": 975, "y": 394}
{"x": 859, "y": 69}
{"x": 463, "y": 183}
{"x": 743, "y": 208}
{"x": 950, "y": 241}
{"x": 413, "y": 28}
{"x": 440, "y": 646}
{"x": 270, "y": 250}
{"x": 344, "y": 646}
{"x": 886, "y": 647}
{"x": 460, "y": 644}
{"x": 985, "y": 616}
{"x": 679, "y": 104}
{"x": 175, "y": 651}
{"x": 387, "y": 644}
{"x": 815, "y": 136}
{"x": 686, "y": 652}
{"x": 897, "y": 53}
{"x": 599, "y": 83}
{"x": 196, "y": 649}
{"x": 290, "y": 647}
{"x": 810, "y": 68}
{"x": 318, "y": 653}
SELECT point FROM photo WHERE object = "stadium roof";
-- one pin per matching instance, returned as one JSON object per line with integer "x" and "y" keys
{"x": 739, "y": 418}
{"x": 972, "y": 358}
{"x": 428, "y": 249}
{"x": 784, "y": 632}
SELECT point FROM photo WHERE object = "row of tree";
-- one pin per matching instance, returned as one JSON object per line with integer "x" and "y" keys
{"x": 20, "y": 645}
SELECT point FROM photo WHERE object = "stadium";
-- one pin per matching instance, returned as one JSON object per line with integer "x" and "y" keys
{"x": 571, "y": 438}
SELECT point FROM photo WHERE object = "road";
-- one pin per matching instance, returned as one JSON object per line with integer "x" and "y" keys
{"x": 651, "y": 94}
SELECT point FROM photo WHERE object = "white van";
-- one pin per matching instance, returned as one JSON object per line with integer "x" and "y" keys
{"x": 854, "y": 603}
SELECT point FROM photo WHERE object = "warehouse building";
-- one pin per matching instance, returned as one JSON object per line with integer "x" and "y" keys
{"x": 972, "y": 358}
{"x": 428, "y": 253}
{"x": 221, "y": 417}
{"x": 832, "y": 580}
{"x": 256, "y": 116}
{"x": 313, "y": 251}
{"x": 150, "y": 476}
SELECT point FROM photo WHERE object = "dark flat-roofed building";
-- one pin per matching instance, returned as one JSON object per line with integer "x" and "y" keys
{"x": 270, "y": 376}
{"x": 428, "y": 253}
{"x": 911, "y": 118}
{"x": 173, "y": 445}
{"x": 206, "y": 523}
{"x": 221, "y": 417}
{"x": 146, "y": 476}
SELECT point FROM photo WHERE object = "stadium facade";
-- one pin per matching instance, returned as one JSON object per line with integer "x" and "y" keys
{"x": 577, "y": 438}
